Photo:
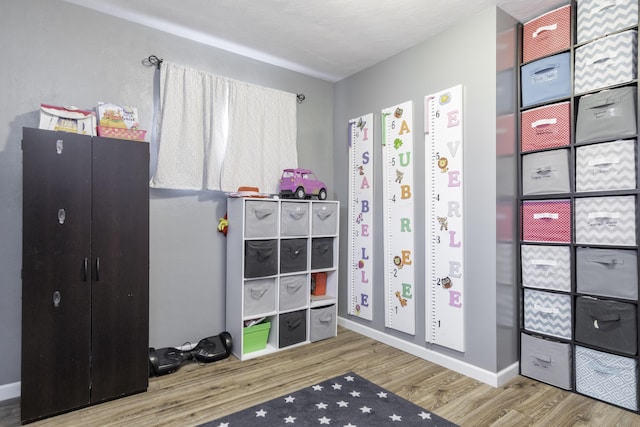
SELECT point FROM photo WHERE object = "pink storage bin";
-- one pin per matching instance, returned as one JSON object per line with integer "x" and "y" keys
{"x": 546, "y": 127}
{"x": 547, "y": 34}
{"x": 546, "y": 221}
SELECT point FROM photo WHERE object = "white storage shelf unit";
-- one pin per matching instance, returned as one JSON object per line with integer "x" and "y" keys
{"x": 277, "y": 251}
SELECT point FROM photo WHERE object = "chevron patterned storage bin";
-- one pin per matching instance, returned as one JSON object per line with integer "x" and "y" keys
{"x": 546, "y": 267}
{"x": 607, "y": 377}
{"x": 607, "y": 272}
{"x": 607, "y": 324}
{"x": 547, "y": 34}
{"x": 546, "y": 221}
{"x": 606, "y": 220}
{"x": 546, "y": 79}
{"x": 545, "y": 127}
{"x": 606, "y": 166}
{"x": 545, "y": 360}
{"x": 605, "y": 62}
{"x": 597, "y": 18}
{"x": 545, "y": 172}
{"x": 609, "y": 114}
{"x": 547, "y": 313}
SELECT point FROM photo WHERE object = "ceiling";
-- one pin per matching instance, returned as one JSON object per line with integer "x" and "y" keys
{"x": 328, "y": 39}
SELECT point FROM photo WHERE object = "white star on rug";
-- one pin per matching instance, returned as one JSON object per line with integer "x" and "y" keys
{"x": 324, "y": 420}
{"x": 336, "y": 386}
{"x": 395, "y": 417}
{"x": 424, "y": 415}
{"x": 349, "y": 378}
{"x": 355, "y": 393}
{"x": 317, "y": 387}
{"x": 223, "y": 425}
{"x": 343, "y": 404}
{"x": 290, "y": 420}
{"x": 382, "y": 395}
{"x": 321, "y": 405}
{"x": 350, "y": 425}
{"x": 365, "y": 410}
{"x": 289, "y": 399}
{"x": 261, "y": 413}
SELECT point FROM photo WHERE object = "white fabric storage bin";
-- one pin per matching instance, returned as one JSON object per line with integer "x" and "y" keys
{"x": 259, "y": 297}
{"x": 607, "y": 272}
{"x": 261, "y": 218}
{"x": 324, "y": 219}
{"x": 323, "y": 323}
{"x": 546, "y": 267}
{"x": 294, "y": 219}
{"x": 294, "y": 292}
{"x": 545, "y": 172}
{"x": 607, "y": 377}
{"x": 607, "y": 115}
{"x": 545, "y": 360}
{"x": 606, "y": 166}
{"x": 547, "y": 313}
{"x": 606, "y": 220}
{"x": 597, "y": 18}
{"x": 606, "y": 62}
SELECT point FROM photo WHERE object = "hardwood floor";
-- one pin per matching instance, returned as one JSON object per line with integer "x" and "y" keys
{"x": 199, "y": 393}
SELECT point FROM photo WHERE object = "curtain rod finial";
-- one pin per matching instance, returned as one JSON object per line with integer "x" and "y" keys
{"x": 152, "y": 60}
{"x": 300, "y": 97}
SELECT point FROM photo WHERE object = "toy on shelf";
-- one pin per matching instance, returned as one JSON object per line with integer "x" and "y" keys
{"x": 301, "y": 184}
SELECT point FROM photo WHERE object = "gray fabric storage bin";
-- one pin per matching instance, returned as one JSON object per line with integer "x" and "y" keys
{"x": 547, "y": 313}
{"x": 259, "y": 296}
{"x": 293, "y": 255}
{"x": 546, "y": 267}
{"x": 260, "y": 258}
{"x": 324, "y": 219}
{"x": 546, "y": 172}
{"x": 607, "y": 272}
{"x": 606, "y": 323}
{"x": 294, "y": 219}
{"x": 322, "y": 252}
{"x": 322, "y": 323}
{"x": 260, "y": 218}
{"x": 607, "y": 377}
{"x": 545, "y": 360}
{"x": 292, "y": 328}
{"x": 294, "y": 292}
{"x": 610, "y": 114}
{"x": 606, "y": 166}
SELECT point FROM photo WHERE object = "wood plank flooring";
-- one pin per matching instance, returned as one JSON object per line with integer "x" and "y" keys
{"x": 199, "y": 393}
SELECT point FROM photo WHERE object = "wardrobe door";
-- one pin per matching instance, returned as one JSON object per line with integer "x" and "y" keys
{"x": 56, "y": 293}
{"x": 120, "y": 257}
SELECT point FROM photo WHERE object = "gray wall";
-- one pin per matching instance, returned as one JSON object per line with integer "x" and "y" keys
{"x": 464, "y": 54}
{"x": 58, "y": 53}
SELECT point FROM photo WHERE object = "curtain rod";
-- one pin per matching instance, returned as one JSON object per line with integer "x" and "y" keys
{"x": 154, "y": 61}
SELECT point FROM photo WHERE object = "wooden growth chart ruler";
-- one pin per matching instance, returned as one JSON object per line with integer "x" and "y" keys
{"x": 444, "y": 244}
{"x": 361, "y": 210}
{"x": 399, "y": 268}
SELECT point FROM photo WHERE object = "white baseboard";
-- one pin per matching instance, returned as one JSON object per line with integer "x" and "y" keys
{"x": 491, "y": 378}
{"x": 9, "y": 391}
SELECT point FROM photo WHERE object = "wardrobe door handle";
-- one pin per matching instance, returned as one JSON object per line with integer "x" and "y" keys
{"x": 97, "y": 269}
{"x": 86, "y": 268}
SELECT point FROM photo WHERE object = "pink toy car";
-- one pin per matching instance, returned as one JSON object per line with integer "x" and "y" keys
{"x": 301, "y": 183}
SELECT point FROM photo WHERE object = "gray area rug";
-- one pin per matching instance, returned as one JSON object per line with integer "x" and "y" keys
{"x": 347, "y": 400}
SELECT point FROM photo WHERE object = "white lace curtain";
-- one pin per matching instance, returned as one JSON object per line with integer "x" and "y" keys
{"x": 219, "y": 134}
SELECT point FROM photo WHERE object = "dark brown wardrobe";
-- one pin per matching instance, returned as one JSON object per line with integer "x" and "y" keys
{"x": 85, "y": 271}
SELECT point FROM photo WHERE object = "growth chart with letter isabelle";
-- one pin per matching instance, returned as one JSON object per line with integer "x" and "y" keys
{"x": 444, "y": 243}
{"x": 361, "y": 216}
{"x": 399, "y": 268}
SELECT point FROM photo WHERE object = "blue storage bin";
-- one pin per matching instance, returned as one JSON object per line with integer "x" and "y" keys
{"x": 546, "y": 79}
